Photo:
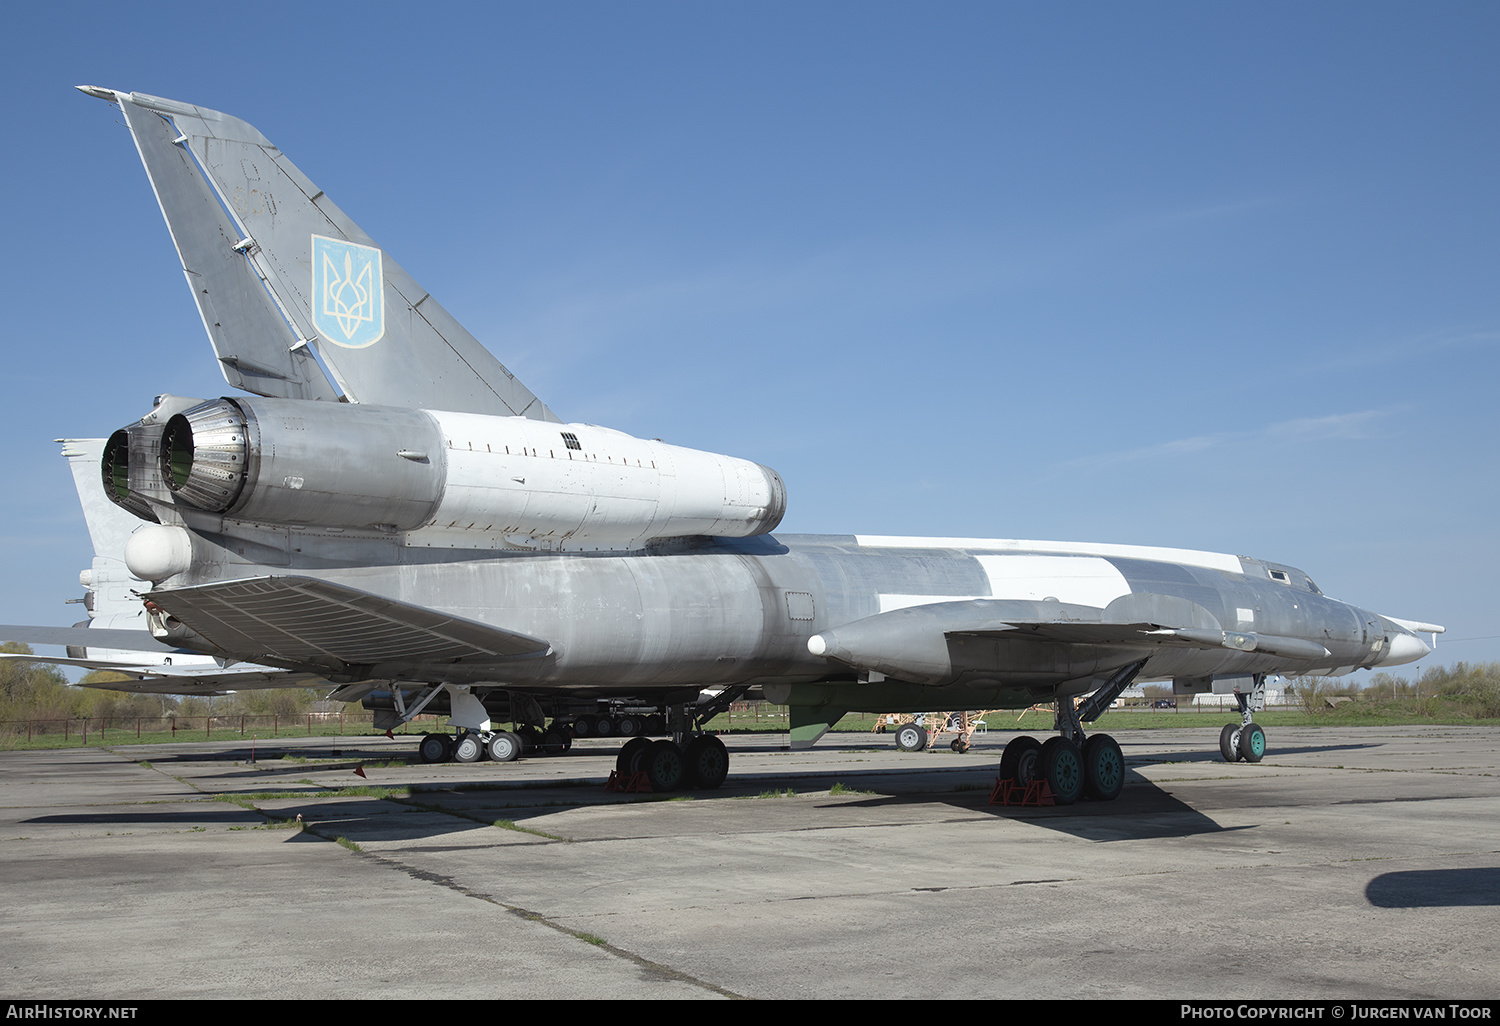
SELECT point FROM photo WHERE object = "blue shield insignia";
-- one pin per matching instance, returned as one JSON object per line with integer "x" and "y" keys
{"x": 348, "y": 292}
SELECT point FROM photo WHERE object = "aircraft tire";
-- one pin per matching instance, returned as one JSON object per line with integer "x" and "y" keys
{"x": 1062, "y": 767}
{"x": 1019, "y": 763}
{"x": 1228, "y": 743}
{"x": 435, "y": 748}
{"x": 504, "y": 747}
{"x": 552, "y": 743}
{"x": 583, "y": 726}
{"x": 1252, "y": 743}
{"x": 707, "y": 762}
{"x": 468, "y": 749}
{"x": 911, "y": 738}
{"x": 628, "y": 761}
{"x": 1103, "y": 769}
{"x": 603, "y": 726}
{"x": 627, "y": 726}
{"x": 664, "y": 766}
{"x": 959, "y": 745}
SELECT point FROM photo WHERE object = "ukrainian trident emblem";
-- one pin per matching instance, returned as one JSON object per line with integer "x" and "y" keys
{"x": 348, "y": 292}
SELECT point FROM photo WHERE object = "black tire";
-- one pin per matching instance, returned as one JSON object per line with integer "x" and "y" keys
{"x": 911, "y": 738}
{"x": 627, "y": 726}
{"x": 1252, "y": 743}
{"x": 552, "y": 743}
{"x": 1229, "y": 743}
{"x": 628, "y": 759}
{"x": 707, "y": 762}
{"x": 583, "y": 726}
{"x": 504, "y": 747}
{"x": 468, "y": 749}
{"x": 603, "y": 727}
{"x": 435, "y": 748}
{"x": 959, "y": 745}
{"x": 664, "y": 766}
{"x": 1062, "y": 768}
{"x": 1103, "y": 769}
{"x": 654, "y": 725}
{"x": 1020, "y": 762}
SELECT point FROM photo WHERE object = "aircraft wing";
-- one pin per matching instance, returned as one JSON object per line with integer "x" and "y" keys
{"x": 316, "y": 625}
{"x": 275, "y": 267}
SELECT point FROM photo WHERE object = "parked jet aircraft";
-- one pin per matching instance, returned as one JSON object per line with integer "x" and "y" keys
{"x": 420, "y": 528}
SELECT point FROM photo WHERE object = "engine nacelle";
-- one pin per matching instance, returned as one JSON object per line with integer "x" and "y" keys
{"x": 455, "y": 479}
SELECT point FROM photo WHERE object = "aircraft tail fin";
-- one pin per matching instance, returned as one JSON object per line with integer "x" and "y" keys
{"x": 279, "y": 271}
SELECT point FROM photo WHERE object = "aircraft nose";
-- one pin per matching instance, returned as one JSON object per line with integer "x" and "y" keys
{"x": 1405, "y": 648}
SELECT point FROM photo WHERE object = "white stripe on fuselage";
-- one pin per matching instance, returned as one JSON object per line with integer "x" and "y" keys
{"x": 1190, "y": 557}
{"x": 1084, "y": 580}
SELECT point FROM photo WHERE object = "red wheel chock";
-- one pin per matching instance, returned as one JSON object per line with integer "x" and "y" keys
{"x": 1035, "y": 794}
{"x": 630, "y": 783}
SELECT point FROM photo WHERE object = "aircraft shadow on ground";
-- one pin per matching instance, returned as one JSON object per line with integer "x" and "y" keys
{"x": 1272, "y": 753}
{"x": 1435, "y": 888}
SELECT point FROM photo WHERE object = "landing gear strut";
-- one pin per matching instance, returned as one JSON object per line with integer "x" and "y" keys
{"x": 1246, "y": 741}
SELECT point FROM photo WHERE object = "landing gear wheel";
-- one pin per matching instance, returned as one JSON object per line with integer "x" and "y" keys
{"x": 664, "y": 767}
{"x": 707, "y": 762}
{"x": 1062, "y": 766}
{"x": 435, "y": 748}
{"x": 603, "y": 727}
{"x": 1103, "y": 769}
{"x": 504, "y": 747}
{"x": 583, "y": 726}
{"x": 552, "y": 743}
{"x": 959, "y": 745}
{"x": 627, "y": 726}
{"x": 1252, "y": 742}
{"x": 1019, "y": 761}
{"x": 911, "y": 738}
{"x": 628, "y": 761}
{"x": 1229, "y": 742}
{"x": 468, "y": 749}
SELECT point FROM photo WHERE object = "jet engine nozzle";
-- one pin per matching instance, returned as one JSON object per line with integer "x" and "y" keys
{"x": 203, "y": 455}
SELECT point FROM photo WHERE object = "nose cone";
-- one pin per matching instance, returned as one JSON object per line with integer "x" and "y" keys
{"x": 1405, "y": 648}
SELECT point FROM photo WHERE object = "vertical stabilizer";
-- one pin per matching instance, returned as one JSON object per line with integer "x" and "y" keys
{"x": 265, "y": 245}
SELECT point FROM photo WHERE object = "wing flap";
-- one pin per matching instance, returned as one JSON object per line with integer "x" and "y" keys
{"x": 305, "y": 622}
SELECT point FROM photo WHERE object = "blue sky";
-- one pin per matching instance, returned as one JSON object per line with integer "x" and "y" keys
{"x": 1219, "y": 276}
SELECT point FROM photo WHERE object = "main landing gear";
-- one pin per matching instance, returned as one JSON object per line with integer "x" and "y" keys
{"x": 1071, "y": 765}
{"x": 1245, "y": 741}
{"x": 1094, "y": 770}
{"x": 700, "y": 764}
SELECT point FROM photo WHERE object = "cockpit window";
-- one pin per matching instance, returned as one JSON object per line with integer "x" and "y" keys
{"x": 1312, "y": 587}
{"x": 1280, "y": 575}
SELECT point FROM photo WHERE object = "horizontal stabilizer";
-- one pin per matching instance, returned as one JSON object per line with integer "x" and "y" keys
{"x": 85, "y": 637}
{"x": 308, "y": 623}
